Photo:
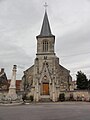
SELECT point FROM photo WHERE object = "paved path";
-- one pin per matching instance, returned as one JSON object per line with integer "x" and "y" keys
{"x": 44, "y": 111}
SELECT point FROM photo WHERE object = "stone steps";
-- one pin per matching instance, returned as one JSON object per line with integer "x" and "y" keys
{"x": 45, "y": 100}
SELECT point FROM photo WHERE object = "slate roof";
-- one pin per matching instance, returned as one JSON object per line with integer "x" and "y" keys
{"x": 45, "y": 30}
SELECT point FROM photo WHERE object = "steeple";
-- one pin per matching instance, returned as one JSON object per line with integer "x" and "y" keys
{"x": 45, "y": 40}
{"x": 46, "y": 30}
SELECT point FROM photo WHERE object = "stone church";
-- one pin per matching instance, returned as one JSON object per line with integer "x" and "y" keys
{"x": 46, "y": 79}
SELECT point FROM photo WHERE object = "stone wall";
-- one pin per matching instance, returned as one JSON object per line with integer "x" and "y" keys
{"x": 78, "y": 95}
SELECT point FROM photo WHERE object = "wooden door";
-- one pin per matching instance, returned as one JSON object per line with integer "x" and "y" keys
{"x": 45, "y": 89}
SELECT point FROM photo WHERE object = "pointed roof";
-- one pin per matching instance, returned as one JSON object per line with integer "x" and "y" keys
{"x": 45, "y": 30}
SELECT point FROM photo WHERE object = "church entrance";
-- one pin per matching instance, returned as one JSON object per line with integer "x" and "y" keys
{"x": 45, "y": 88}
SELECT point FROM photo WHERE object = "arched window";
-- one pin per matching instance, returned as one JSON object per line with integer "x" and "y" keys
{"x": 45, "y": 46}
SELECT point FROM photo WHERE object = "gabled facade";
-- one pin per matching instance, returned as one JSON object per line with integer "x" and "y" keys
{"x": 46, "y": 78}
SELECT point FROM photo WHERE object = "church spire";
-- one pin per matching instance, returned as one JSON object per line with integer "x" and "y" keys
{"x": 45, "y": 30}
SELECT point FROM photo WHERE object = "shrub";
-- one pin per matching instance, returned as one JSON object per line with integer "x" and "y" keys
{"x": 24, "y": 97}
{"x": 79, "y": 98}
{"x": 61, "y": 97}
{"x": 71, "y": 97}
{"x": 31, "y": 97}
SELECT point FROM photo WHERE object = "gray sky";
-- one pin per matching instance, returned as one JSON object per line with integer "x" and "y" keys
{"x": 20, "y": 23}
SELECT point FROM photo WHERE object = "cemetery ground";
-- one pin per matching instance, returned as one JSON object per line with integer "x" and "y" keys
{"x": 47, "y": 111}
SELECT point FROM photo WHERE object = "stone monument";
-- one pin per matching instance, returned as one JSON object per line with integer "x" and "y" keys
{"x": 11, "y": 97}
{"x": 12, "y": 89}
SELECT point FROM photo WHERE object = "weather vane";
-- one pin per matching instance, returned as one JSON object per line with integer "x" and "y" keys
{"x": 45, "y": 5}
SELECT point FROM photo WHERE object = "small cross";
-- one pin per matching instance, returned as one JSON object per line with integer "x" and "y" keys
{"x": 45, "y": 6}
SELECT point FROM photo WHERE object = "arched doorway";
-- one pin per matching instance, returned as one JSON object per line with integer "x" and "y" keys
{"x": 45, "y": 88}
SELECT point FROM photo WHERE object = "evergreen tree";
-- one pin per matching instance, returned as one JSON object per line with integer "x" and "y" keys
{"x": 82, "y": 81}
{"x": 89, "y": 85}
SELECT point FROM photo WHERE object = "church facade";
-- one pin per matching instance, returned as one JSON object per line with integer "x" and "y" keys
{"x": 46, "y": 79}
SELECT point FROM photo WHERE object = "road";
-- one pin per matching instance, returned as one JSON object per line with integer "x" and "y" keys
{"x": 44, "y": 111}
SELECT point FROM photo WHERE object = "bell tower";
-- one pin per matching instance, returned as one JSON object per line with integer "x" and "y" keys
{"x": 46, "y": 40}
{"x": 44, "y": 67}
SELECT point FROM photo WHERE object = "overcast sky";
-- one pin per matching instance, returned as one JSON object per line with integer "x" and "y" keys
{"x": 20, "y": 23}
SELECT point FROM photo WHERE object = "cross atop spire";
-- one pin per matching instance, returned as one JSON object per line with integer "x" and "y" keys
{"x": 45, "y": 5}
{"x": 45, "y": 30}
